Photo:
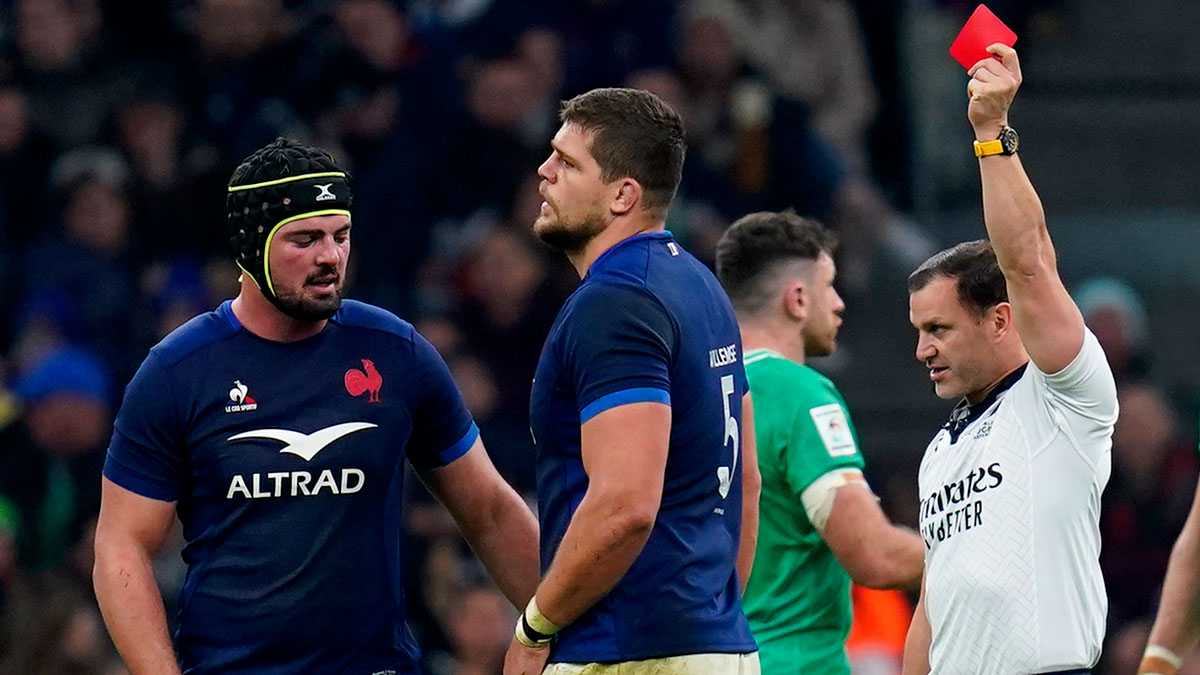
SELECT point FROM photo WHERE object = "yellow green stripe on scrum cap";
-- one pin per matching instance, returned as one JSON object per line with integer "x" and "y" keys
{"x": 278, "y": 184}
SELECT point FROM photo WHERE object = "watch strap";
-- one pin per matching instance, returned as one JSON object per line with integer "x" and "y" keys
{"x": 986, "y": 148}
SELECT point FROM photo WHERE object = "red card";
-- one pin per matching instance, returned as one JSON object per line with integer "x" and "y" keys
{"x": 981, "y": 31}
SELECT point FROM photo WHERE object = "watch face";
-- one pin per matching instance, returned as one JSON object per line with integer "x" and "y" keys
{"x": 1009, "y": 140}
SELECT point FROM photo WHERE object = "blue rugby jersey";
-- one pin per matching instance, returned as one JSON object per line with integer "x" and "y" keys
{"x": 287, "y": 463}
{"x": 650, "y": 323}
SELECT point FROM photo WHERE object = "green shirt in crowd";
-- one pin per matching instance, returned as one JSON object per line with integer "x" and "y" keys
{"x": 798, "y": 597}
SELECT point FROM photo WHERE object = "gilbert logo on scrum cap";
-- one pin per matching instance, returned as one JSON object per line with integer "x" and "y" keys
{"x": 323, "y": 192}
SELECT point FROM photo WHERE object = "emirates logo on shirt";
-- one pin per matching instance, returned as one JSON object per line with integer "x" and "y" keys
{"x": 959, "y": 505}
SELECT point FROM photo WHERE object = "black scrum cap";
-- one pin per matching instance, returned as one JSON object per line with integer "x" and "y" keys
{"x": 280, "y": 183}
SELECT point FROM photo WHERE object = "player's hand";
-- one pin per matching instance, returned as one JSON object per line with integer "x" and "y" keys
{"x": 991, "y": 90}
{"x": 522, "y": 660}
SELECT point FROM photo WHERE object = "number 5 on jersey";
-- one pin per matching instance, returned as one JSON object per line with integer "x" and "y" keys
{"x": 725, "y": 473}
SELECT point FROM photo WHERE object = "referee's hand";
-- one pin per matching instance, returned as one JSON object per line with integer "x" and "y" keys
{"x": 522, "y": 660}
{"x": 991, "y": 91}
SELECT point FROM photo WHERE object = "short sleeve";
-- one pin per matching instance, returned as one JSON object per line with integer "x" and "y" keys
{"x": 147, "y": 451}
{"x": 617, "y": 348}
{"x": 443, "y": 429}
{"x": 1085, "y": 386}
{"x": 821, "y": 439}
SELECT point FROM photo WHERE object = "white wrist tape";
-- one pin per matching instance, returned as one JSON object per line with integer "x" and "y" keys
{"x": 1164, "y": 654}
{"x": 533, "y": 628}
{"x": 538, "y": 621}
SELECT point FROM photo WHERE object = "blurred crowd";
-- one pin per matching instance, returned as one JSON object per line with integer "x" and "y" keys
{"x": 121, "y": 122}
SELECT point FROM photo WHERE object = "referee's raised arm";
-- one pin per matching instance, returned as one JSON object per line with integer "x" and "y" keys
{"x": 1050, "y": 325}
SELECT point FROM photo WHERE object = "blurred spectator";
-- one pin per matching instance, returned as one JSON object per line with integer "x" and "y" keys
{"x": 605, "y": 41}
{"x": 1146, "y": 501}
{"x": 25, "y": 157}
{"x": 490, "y": 155}
{"x": 175, "y": 292}
{"x": 53, "y": 453}
{"x": 813, "y": 51}
{"x": 506, "y": 433}
{"x": 441, "y": 332}
{"x": 173, "y": 177}
{"x": 693, "y": 219}
{"x": 44, "y": 322}
{"x": 742, "y": 130}
{"x": 241, "y": 70}
{"x": 482, "y": 29}
{"x": 508, "y": 306}
{"x": 757, "y": 149}
{"x": 1116, "y": 314}
{"x": 89, "y": 260}
{"x": 63, "y": 66}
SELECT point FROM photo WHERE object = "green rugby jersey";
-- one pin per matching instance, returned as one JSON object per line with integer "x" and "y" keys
{"x": 798, "y": 597}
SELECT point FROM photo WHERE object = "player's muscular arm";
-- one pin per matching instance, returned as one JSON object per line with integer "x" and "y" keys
{"x": 494, "y": 520}
{"x": 130, "y": 531}
{"x": 625, "y": 456}
{"x": 1177, "y": 626}
{"x": 1048, "y": 321}
{"x": 920, "y": 637}
{"x": 876, "y": 553}
{"x": 751, "y": 486}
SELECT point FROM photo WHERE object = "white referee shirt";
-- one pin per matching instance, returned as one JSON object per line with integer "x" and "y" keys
{"x": 1010, "y": 514}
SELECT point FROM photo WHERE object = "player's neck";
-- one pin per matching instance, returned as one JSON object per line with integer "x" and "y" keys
{"x": 755, "y": 335}
{"x": 617, "y": 231}
{"x": 265, "y": 320}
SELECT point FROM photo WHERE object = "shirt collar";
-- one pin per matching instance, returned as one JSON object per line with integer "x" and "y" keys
{"x": 965, "y": 412}
{"x": 665, "y": 234}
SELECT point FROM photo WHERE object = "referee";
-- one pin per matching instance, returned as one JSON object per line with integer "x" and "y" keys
{"x": 1010, "y": 486}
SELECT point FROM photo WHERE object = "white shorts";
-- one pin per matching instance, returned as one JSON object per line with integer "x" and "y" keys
{"x": 688, "y": 664}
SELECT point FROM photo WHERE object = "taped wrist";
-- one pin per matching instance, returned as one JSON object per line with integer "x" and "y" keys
{"x": 1158, "y": 660}
{"x": 533, "y": 628}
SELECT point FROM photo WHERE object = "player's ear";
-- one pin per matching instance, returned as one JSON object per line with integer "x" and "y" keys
{"x": 795, "y": 300}
{"x": 629, "y": 195}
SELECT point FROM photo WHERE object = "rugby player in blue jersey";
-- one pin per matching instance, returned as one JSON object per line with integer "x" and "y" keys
{"x": 646, "y": 472}
{"x": 276, "y": 428}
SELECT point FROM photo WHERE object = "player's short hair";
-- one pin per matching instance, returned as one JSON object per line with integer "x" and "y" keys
{"x": 975, "y": 270}
{"x": 756, "y": 248}
{"x": 636, "y": 134}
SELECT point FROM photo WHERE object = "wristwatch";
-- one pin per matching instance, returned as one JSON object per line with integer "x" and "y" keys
{"x": 1005, "y": 145}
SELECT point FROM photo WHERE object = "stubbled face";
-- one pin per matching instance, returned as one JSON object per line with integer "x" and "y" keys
{"x": 575, "y": 207}
{"x": 307, "y": 264}
{"x": 825, "y": 307}
{"x": 957, "y": 347}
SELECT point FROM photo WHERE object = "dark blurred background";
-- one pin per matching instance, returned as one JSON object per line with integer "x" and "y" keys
{"x": 120, "y": 123}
